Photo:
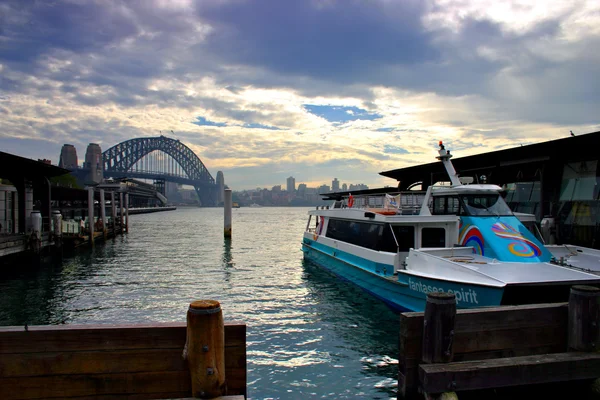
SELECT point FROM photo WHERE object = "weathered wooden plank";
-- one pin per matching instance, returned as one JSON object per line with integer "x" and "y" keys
{"x": 68, "y": 386}
{"x": 49, "y": 355}
{"x": 486, "y": 333}
{"x": 91, "y": 362}
{"x": 502, "y": 372}
{"x": 104, "y": 337}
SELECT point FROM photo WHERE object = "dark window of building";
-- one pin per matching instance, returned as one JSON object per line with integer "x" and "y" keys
{"x": 433, "y": 237}
{"x": 524, "y": 197}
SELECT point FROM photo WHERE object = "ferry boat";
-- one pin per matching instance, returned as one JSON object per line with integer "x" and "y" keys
{"x": 461, "y": 238}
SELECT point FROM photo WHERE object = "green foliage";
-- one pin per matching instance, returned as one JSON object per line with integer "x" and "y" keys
{"x": 67, "y": 180}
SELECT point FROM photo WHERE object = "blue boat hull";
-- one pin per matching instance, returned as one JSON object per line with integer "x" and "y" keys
{"x": 408, "y": 293}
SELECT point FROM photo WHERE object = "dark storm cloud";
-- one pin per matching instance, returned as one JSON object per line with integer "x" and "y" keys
{"x": 324, "y": 40}
{"x": 317, "y": 48}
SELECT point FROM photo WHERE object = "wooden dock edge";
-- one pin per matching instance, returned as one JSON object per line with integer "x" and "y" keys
{"x": 443, "y": 350}
{"x": 137, "y": 361}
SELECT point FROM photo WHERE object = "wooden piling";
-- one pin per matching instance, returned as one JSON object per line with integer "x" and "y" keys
{"x": 584, "y": 318}
{"x": 91, "y": 214}
{"x": 205, "y": 349}
{"x": 121, "y": 211}
{"x": 113, "y": 213}
{"x": 127, "y": 212}
{"x": 227, "y": 205}
{"x": 438, "y": 328}
{"x": 103, "y": 213}
{"x": 438, "y": 333}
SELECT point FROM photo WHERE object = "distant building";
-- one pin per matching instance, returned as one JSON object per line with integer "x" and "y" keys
{"x": 68, "y": 157}
{"x": 323, "y": 189}
{"x": 45, "y": 161}
{"x": 220, "y": 187}
{"x": 359, "y": 186}
{"x": 335, "y": 185}
{"x": 93, "y": 163}
{"x": 301, "y": 190}
{"x": 276, "y": 189}
{"x": 344, "y": 188}
{"x": 291, "y": 184}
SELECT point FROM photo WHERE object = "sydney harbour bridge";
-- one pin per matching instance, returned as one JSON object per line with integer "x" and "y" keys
{"x": 160, "y": 159}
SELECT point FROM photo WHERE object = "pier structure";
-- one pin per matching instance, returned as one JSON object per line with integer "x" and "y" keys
{"x": 25, "y": 198}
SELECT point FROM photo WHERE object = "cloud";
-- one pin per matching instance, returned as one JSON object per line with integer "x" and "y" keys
{"x": 327, "y": 88}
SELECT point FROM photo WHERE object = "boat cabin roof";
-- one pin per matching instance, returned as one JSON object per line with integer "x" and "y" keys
{"x": 368, "y": 192}
{"x": 465, "y": 189}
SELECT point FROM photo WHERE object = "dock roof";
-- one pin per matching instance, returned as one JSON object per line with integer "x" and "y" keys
{"x": 569, "y": 149}
{"x": 12, "y": 166}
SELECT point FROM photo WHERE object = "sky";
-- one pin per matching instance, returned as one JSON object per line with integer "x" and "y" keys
{"x": 315, "y": 89}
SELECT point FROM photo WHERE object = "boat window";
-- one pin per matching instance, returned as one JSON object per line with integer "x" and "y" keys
{"x": 446, "y": 205}
{"x": 405, "y": 235}
{"x": 484, "y": 205}
{"x": 433, "y": 237}
{"x": 364, "y": 234}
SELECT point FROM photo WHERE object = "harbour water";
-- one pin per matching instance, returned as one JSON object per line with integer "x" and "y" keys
{"x": 309, "y": 335}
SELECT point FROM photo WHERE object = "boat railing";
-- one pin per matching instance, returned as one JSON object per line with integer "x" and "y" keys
{"x": 405, "y": 203}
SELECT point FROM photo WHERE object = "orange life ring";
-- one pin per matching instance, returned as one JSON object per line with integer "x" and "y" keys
{"x": 350, "y": 201}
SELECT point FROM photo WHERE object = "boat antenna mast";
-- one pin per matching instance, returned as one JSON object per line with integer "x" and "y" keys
{"x": 445, "y": 157}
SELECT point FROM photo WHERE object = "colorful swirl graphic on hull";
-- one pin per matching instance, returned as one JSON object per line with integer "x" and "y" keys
{"x": 519, "y": 246}
{"x": 471, "y": 236}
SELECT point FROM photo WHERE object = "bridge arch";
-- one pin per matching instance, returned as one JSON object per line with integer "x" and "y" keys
{"x": 119, "y": 160}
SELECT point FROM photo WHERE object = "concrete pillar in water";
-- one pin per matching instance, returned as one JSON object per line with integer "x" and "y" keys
{"x": 103, "y": 212}
{"x": 91, "y": 213}
{"x": 57, "y": 232}
{"x": 36, "y": 231}
{"x": 227, "y": 205}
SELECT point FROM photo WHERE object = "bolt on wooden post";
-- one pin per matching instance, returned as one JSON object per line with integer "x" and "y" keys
{"x": 205, "y": 349}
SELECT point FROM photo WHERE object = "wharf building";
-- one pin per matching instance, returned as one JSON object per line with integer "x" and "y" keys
{"x": 558, "y": 181}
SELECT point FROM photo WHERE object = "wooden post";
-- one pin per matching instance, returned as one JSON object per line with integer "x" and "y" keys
{"x": 205, "y": 349}
{"x": 91, "y": 213}
{"x": 103, "y": 212}
{"x": 227, "y": 205}
{"x": 121, "y": 210}
{"x": 584, "y": 319}
{"x": 113, "y": 213}
{"x": 127, "y": 212}
{"x": 438, "y": 333}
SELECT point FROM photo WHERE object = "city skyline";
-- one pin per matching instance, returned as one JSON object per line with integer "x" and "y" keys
{"x": 314, "y": 89}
